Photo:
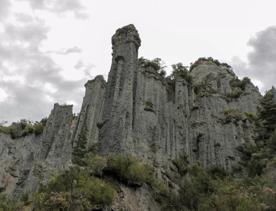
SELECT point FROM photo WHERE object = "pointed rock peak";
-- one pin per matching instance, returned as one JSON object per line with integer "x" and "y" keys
{"x": 64, "y": 106}
{"x": 97, "y": 79}
{"x": 126, "y": 34}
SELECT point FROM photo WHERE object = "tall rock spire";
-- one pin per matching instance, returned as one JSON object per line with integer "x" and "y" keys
{"x": 116, "y": 129}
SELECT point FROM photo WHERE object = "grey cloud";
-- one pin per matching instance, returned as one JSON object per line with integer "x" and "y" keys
{"x": 85, "y": 68}
{"x": 4, "y": 8}
{"x": 32, "y": 33}
{"x": 60, "y": 6}
{"x": 21, "y": 57}
{"x": 261, "y": 64}
{"x": 67, "y": 51}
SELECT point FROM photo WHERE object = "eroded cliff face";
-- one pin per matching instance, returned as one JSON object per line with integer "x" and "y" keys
{"x": 139, "y": 112}
{"x": 159, "y": 119}
{"x": 28, "y": 161}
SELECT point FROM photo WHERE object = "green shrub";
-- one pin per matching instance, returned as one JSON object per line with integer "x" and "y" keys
{"x": 182, "y": 164}
{"x": 23, "y": 128}
{"x": 241, "y": 84}
{"x": 7, "y": 204}
{"x": 181, "y": 71}
{"x": 156, "y": 64}
{"x": 128, "y": 170}
{"x": 217, "y": 172}
{"x": 195, "y": 185}
{"x": 95, "y": 164}
{"x": 233, "y": 115}
{"x": 38, "y": 128}
{"x": 74, "y": 189}
{"x": 204, "y": 88}
{"x": 5, "y": 129}
{"x": 148, "y": 106}
{"x": 236, "y": 93}
{"x": 250, "y": 116}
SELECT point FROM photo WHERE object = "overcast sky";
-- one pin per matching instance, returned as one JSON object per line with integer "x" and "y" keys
{"x": 50, "y": 48}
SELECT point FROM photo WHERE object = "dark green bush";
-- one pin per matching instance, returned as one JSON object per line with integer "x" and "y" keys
{"x": 233, "y": 115}
{"x": 23, "y": 128}
{"x": 74, "y": 189}
{"x": 241, "y": 84}
{"x": 181, "y": 71}
{"x": 157, "y": 64}
{"x": 148, "y": 106}
{"x": 128, "y": 170}
{"x": 182, "y": 164}
{"x": 7, "y": 204}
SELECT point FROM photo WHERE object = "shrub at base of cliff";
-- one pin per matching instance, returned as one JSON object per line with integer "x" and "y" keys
{"x": 7, "y": 204}
{"x": 72, "y": 190}
{"x": 215, "y": 190}
{"x": 128, "y": 170}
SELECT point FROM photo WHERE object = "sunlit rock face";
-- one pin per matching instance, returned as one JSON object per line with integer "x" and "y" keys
{"x": 140, "y": 112}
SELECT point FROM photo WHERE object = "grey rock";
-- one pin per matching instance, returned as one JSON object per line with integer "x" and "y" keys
{"x": 116, "y": 131}
{"x": 138, "y": 112}
{"x": 91, "y": 111}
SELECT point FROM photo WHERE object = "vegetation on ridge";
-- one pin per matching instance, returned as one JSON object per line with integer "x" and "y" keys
{"x": 23, "y": 128}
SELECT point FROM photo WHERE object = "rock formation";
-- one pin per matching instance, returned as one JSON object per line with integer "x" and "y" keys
{"x": 25, "y": 162}
{"x": 140, "y": 112}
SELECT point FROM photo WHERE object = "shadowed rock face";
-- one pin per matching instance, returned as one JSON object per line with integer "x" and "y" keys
{"x": 139, "y": 112}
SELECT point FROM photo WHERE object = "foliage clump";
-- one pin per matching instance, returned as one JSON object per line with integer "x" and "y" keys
{"x": 148, "y": 106}
{"x": 204, "y": 88}
{"x": 238, "y": 88}
{"x": 255, "y": 157}
{"x": 23, "y": 128}
{"x": 74, "y": 189}
{"x": 157, "y": 64}
{"x": 233, "y": 115}
{"x": 128, "y": 170}
{"x": 179, "y": 70}
{"x": 208, "y": 60}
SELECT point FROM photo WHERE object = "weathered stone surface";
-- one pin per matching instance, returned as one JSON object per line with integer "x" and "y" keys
{"x": 160, "y": 120}
{"x": 91, "y": 111}
{"x": 25, "y": 162}
{"x": 116, "y": 129}
{"x": 16, "y": 159}
{"x": 139, "y": 112}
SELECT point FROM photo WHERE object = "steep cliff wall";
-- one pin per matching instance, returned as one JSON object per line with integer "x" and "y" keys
{"x": 160, "y": 119}
{"x": 25, "y": 162}
{"x": 140, "y": 112}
